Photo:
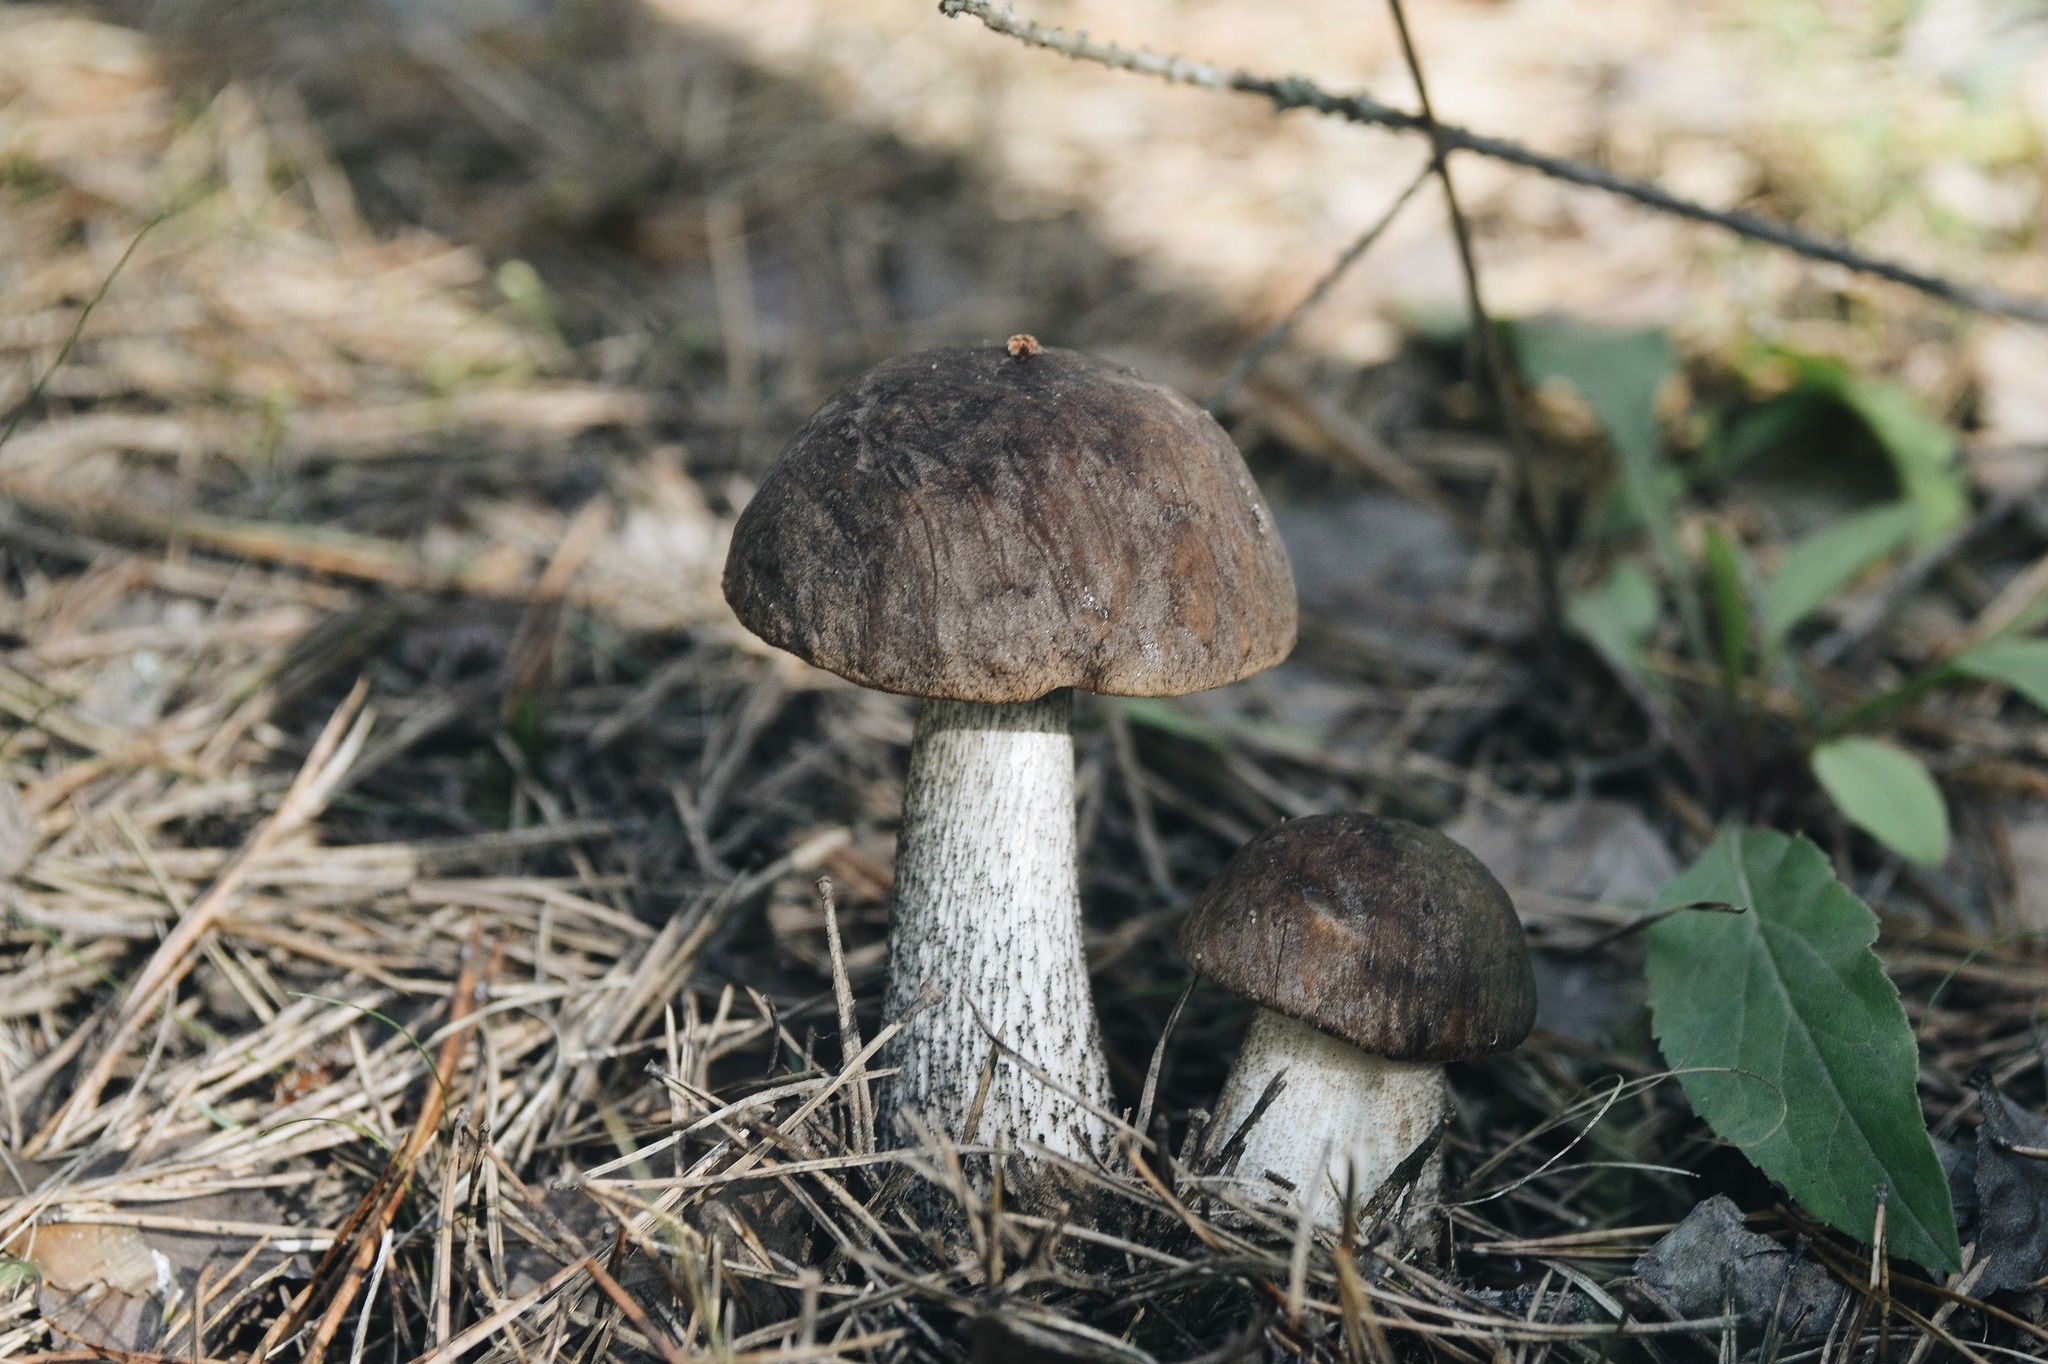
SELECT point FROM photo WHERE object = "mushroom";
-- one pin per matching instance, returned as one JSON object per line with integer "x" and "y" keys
{"x": 1376, "y": 950}
{"x": 986, "y": 528}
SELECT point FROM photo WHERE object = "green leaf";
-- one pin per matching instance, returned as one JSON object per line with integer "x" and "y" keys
{"x": 1619, "y": 374}
{"x": 1792, "y": 1040}
{"x": 1731, "y": 605}
{"x": 1618, "y": 617}
{"x": 1818, "y": 567}
{"x": 1760, "y": 430}
{"x": 524, "y": 289}
{"x": 2021, "y": 664}
{"x": 1921, "y": 450}
{"x": 1168, "y": 718}
{"x": 1220, "y": 732}
{"x": 1886, "y": 792}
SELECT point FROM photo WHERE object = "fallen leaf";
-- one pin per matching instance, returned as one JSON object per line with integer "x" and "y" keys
{"x": 102, "y": 1285}
{"x": 110, "y": 1286}
{"x": 74, "y": 1256}
{"x": 1711, "y": 1262}
{"x": 1599, "y": 852}
{"x": 2012, "y": 1193}
{"x": 103, "y": 1318}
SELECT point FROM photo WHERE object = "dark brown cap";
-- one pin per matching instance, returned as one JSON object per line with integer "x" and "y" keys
{"x": 991, "y": 523}
{"x": 1377, "y": 931}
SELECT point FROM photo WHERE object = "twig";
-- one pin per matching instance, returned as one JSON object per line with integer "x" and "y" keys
{"x": 316, "y": 549}
{"x": 1143, "y": 826}
{"x": 1319, "y": 426}
{"x": 2012, "y": 604}
{"x": 1143, "y": 1122}
{"x": 635, "y": 1313}
{"x": 382, "y": 1202}
{"x": 444, "y": 1238}
{"x": 1864, "y": 618}
{"x": 362, "y": 1338}
{"x": 483, "y": 1330}
{"x": 1487, "y": 340}
{"x": 531, "y": 655}
{"x": 1295, "y": 92}
{"x": 806, "y": 856}
{"x": 862, "y": 1117}
{"x": 1961, "y": 1284}
{"x": 1277, "y": 334}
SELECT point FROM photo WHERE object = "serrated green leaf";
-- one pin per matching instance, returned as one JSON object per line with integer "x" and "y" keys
{"x": 1818, "y": 567}
{"x": 1792, "y": 1040}
{"x": 1618, "y": 617}
{"x": 1886, "y": 792}
{"x": 1731, "y": 605}
{"x": 2021, "y": 664}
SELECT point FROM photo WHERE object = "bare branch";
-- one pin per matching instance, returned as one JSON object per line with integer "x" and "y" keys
{"x": 1296, "y": 92}
{"x": 1487, "y": 345}
{"x": 1276, "y": 335}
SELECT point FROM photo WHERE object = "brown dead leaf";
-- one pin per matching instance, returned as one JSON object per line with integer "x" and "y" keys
{"x": 100, "y": 1284}
{"x": 1577, "y": 871}
{"x": 76, "y": 1256}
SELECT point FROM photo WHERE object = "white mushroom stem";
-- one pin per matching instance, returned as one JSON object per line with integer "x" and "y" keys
{"x": 1344, "y": 1116}
{"x": 988, "y": 913}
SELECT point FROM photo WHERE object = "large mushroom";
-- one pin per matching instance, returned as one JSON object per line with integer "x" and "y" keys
{"x": 986, "y": 528}
{"x": 1376, "y": 950}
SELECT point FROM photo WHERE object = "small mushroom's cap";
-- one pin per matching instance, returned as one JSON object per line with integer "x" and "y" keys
{"x": 994, "y": 522}
{"x": 1377, "y": 931}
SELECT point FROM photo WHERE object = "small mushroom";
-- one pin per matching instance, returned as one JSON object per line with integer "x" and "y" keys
{"x": 1376, "y": 950}
{"x": 986, "y": 528}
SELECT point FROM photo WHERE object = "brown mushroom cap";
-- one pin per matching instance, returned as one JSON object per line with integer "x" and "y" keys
{"x": 1377, "y": 931}
{"x": 980, "y": 525}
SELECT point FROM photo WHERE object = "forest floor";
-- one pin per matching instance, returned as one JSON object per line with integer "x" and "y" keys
{"x": 410, "y": 864}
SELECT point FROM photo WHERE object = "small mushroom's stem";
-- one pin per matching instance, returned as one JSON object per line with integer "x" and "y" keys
{"x": 1358, "y": 1114}
{"x": 988, "y": 912}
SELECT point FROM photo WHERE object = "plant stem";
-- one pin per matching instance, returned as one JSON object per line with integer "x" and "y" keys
{"x": 1487, "y": 342}
{"x": 1887, "y": 703}
{"x": 77, "y": 329}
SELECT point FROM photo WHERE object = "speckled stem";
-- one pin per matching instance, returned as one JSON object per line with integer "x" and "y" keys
{"x": 988, "y": 911}
{"x": 1359, "y": 1114}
